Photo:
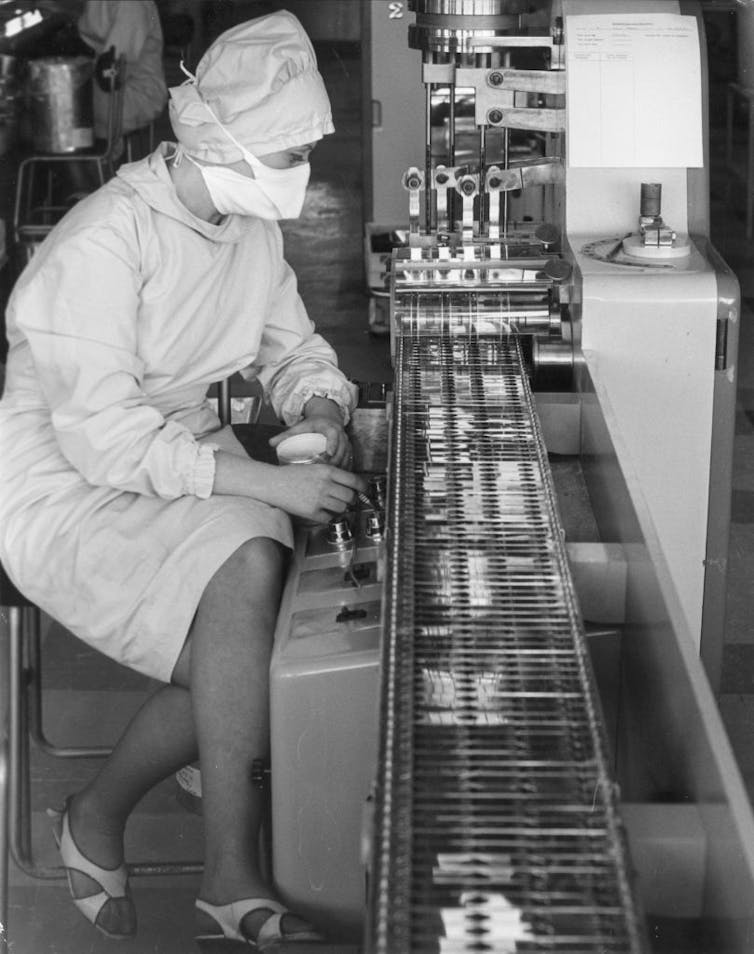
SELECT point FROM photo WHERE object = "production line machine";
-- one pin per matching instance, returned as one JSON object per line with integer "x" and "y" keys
{"x": 493, "y": 724}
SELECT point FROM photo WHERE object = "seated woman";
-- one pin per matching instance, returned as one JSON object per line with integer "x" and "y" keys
{"x": 126, "y": 511}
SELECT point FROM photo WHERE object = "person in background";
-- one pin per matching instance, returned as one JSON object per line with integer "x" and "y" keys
{"x": 128, "y": 28}
{"x": 126, "y": 511}
{"x": 105, "y": 30}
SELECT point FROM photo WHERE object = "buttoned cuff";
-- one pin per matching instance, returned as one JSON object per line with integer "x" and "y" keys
{"x": 345, "y": 397}
{"x": 202, "y": 479}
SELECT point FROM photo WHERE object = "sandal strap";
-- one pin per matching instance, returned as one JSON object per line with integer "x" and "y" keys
{"x": 270, "y": 931}
{"x": 112, "y": 881}
{"x": 91, "y": 906}
{"x": 229, "y": 918}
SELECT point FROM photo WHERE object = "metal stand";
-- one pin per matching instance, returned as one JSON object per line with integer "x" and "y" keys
{"x": 22, "y": 721}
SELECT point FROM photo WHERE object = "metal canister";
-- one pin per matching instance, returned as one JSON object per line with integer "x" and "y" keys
{"x": 10, "y": 94}
{"x": 61, "y": 103}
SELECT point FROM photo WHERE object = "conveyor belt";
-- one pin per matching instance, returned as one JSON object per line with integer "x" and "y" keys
{"x": 496, "y": 819}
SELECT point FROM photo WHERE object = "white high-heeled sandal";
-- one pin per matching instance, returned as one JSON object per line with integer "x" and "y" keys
{"x": 227, "y": 919}
{"x": 113, "y": 882}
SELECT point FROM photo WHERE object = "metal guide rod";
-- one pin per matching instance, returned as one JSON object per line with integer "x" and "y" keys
{"x": 496, "y": 822}
{"x": 428, "y": 159}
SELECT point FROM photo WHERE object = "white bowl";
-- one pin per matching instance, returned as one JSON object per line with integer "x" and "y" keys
{"x": 302, "y": 449}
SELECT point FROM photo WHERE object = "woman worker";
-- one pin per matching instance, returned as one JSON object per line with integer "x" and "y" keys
{"x": 132, "y": 29}
{"x": 126, "y": 512}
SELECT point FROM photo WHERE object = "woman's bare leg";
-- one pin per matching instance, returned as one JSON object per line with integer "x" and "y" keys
{"x": 158, "y": 741}
{"x": 226, "y": 663}
{"x": 230, "y": 647}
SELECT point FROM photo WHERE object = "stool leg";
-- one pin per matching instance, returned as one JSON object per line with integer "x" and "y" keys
{"x": 30, "y": 623}
{"x": 34, "y": 708}
{"x": 223, "y": 401}
{"x": 23, "y": 634}
{"x": 19, "y": 647}
{"x": 25, "y": 178}
{"x": 729, "y": 101}
{"x": 30, "y": 190}
{"x": 4, "y": 865}
{"x": 19, "y": 746}
{"x": 750, "y": 170}
{"x": 4, "y": 779}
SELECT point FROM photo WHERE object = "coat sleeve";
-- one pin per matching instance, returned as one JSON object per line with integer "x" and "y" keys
{"x": 294, "y": 363}
{"x": 79, "y": 311}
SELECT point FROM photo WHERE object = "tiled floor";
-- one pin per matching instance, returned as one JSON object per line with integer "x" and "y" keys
{"x": 97, "y": 696}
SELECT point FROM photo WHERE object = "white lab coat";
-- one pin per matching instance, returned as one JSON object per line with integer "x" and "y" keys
{"x": 133, "y": 28}
{"x": 130, "y": 309}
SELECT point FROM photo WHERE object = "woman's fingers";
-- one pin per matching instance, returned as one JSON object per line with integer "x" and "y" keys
{"x": 342, "y": 489}
{"x": 338, "y": 502}
{"x": 354, "y": 482}
{"x": 317, "y": 491}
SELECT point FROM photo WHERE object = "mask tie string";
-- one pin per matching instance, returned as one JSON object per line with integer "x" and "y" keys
{"x": 191, "y": 77}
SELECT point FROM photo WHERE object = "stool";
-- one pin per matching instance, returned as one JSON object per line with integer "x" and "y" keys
{"x": 22, "y": 722}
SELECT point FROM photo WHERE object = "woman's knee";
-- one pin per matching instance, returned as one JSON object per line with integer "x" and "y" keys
{"x": 257, "y": 559}
{"x": 252, "y": 574}
{"x": 247, "y": 586}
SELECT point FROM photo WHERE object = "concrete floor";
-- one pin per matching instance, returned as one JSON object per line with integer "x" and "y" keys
{"x": 88, "y": 698}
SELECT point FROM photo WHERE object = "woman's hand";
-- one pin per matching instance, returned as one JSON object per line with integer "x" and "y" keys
{"x": 315, "y": 492}
{"x": 322, "y": 416}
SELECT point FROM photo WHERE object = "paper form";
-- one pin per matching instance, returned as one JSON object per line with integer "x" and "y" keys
{"x": 634, "y": 91}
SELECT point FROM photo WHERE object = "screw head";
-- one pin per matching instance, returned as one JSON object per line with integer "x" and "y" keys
{"x": 496, "y": 78}
{"x": 495, "y": 116}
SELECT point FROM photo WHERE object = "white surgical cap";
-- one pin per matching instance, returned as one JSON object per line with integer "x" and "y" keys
{"x": 260, "y": 80}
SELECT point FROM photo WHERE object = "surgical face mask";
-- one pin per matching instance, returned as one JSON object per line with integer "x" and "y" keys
{"x": 285, "y": 188}
{"x": 273, "y": 194}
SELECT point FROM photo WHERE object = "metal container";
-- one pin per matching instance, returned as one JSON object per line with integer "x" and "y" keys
{"x": 8, "y": 65}
{"x": 10, "y": 95}
{"x": 61, "y": 103}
